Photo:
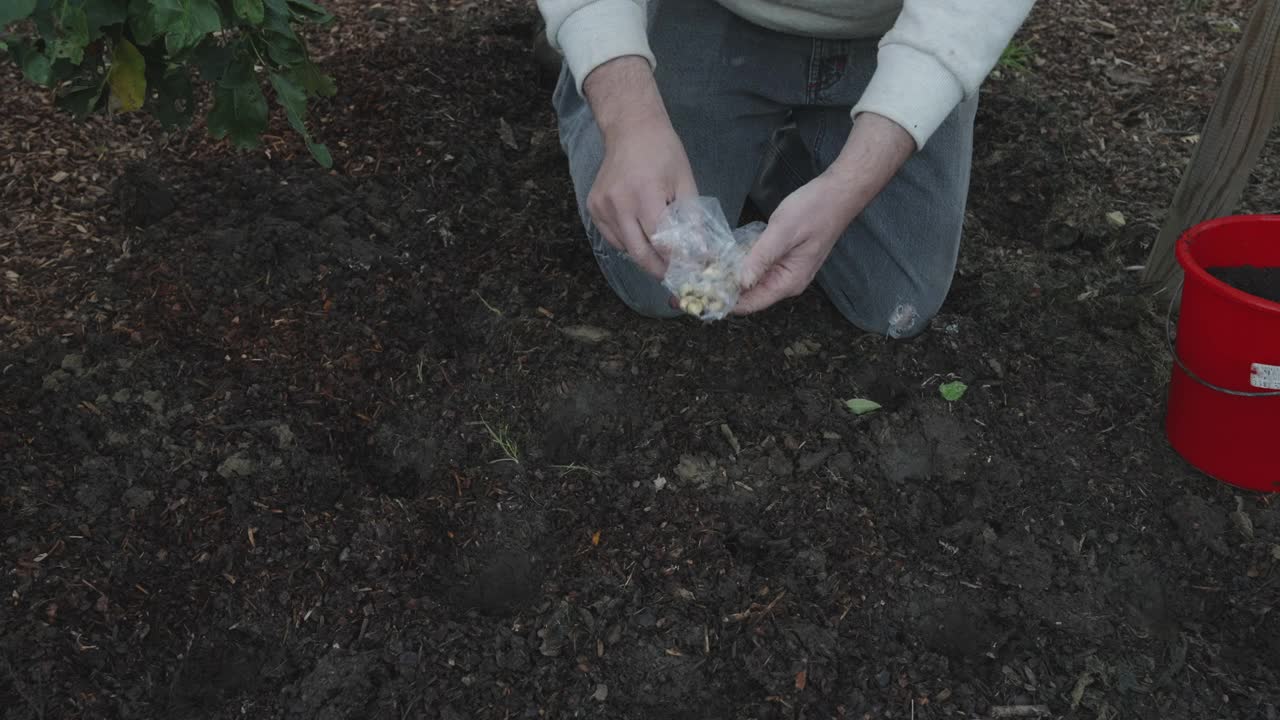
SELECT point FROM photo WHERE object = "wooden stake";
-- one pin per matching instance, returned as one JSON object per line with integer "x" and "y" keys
{"x": 1243, "y": 113}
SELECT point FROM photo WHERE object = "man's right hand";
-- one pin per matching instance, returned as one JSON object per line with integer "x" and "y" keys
{"x": 645, "y": 166}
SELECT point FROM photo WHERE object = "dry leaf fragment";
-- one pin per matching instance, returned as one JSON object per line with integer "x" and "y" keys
{"x": 586, "y": 333}
{"x": 595, "y": 538}
{"x": 802, "y": 679}
{"x": 507, "y": 136}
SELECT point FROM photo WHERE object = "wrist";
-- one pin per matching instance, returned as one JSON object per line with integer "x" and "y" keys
{"x": 622, "y": 93}
{"x": 876, "y": 149}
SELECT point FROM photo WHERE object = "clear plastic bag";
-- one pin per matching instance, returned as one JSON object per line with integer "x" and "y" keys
{"x": 704, "y": 256}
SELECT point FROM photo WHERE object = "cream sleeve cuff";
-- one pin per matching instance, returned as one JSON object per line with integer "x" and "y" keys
{"x": 602, "y": 31}
{"x": 913, "y": 89}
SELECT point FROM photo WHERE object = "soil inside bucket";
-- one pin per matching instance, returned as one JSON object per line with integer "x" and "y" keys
{"x": 1263, "y": 282}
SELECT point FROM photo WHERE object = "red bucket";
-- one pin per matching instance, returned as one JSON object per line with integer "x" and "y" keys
{"x": 1224, "y": 396}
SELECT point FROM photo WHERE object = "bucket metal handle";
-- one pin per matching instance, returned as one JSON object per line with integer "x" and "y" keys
{"x": 1169, "y": 335}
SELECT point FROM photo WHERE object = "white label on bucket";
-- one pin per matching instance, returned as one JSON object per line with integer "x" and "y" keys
{"x": 1266, "y": 377}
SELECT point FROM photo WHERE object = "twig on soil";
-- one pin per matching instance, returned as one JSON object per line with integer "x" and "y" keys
{"x": 409, "y": 708}
{"x": 731, "y": 438}
{"x": 1000, "y": 712}
{"x": 755, "y": 609}
{"x": 575, "y": 467}
{"x": 844, "y": 614}
{"x": 492, "y": 309}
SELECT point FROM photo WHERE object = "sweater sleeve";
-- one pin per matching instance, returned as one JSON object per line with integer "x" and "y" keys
{"x": 592, "y": 32}
{"x": 937, "y": 54}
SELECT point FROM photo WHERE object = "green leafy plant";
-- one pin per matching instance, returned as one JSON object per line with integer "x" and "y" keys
{"x": 1016, "y": 57}
{"x": 861, "y": 406}
{"x": 501, "y": 437}
{"x": 952, "y": 391}
{"x": 131, "y": 55}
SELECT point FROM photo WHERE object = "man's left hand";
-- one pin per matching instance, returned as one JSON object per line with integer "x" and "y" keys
{"x": 799, "y": 236}
{"x": 809, "y": 222}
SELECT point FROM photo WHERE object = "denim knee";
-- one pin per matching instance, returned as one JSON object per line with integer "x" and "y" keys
{"x": 642, "y": 293}
{"x": 901, "y": 315}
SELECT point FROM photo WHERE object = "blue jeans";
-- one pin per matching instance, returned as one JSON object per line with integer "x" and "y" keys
{"x": 727, "y": 85}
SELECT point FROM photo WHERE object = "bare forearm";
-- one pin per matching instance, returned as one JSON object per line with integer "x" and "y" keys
{"x": 876, "y": 149}
{"x": 622, "y": 92}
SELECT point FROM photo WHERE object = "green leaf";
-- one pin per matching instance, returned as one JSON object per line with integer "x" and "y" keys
{"x": 212, "y": 60}
{"x": 82, "y": 97}
{"x": 952, "y": 391}
{"x": 321, "y": 154}
{"x": 294, "y": 101}
{"x": 185, "y": 23}
{"x": 283, "y": 44}
{"x": 80, "y": 88}
{"x": 127, "y": 76}
{"x": 15, "y": 10}
{"x": 285, "y": 50}
{"x": 309, "y": 11}
{"x": 862, "y": 406}
{"x": 103, "y": 14}
{"x": 37, "y": 69}
{"x": 71, "y": 37}
{"x": 250, "y": 10}
{"x": 35, "y": 65}
{"x": 312, "y": 80}
{"x": 277, "y": 17}
{"x": 173, "y": 98}
{"x": 142, "y": 22}
{"x": 239, "y": 107}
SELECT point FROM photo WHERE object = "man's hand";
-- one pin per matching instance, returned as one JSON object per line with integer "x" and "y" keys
{"x": 645, "y": 166}
{"x": 807, "y": 224}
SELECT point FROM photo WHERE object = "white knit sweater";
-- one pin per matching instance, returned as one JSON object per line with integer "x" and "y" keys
{"x": 933, "y": 54}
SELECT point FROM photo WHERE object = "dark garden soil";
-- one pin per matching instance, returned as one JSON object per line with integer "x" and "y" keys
{"x": 379, "y": 443}
{"x": 1264, "y": 282}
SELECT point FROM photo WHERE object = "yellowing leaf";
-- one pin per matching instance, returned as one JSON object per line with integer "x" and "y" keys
{"x": 127, "y": 77}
